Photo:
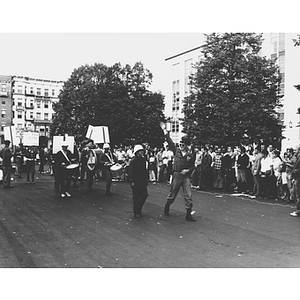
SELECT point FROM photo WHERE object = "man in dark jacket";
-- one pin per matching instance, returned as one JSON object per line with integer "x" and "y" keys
{"x": 63, "y": 158}
{"x": 106, "y": 160}
{"x": 6, "y": 156}
{"x": 138, "y": 177}
{"x": 183, "y": 165}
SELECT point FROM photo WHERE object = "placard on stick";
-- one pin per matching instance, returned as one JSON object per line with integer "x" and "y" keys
{"x": 31, "y": 138}
{"x": 10, "y": 135}
{"x": 59, "y": 140}
{"x": 99, "y": 134}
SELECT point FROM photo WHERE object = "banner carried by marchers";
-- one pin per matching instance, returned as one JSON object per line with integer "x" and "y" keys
{"x": 99, "y": 134}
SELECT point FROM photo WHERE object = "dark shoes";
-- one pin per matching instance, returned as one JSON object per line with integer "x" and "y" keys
{"x": 138, "y": 215}
{"x": 189, "y": 216}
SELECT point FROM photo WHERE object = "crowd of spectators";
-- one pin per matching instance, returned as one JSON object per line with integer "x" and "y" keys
{"x": 260, "y": 171}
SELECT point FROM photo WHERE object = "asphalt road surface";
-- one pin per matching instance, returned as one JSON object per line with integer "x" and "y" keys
{"x": 38, "y": 229}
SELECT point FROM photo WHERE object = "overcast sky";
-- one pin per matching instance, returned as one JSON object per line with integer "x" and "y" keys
{"x": 56, "y": 55}
{"x": 49, "y": 39}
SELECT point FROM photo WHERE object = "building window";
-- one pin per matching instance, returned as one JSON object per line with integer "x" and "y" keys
{"x": 31, "y": 115}
{"x": 19, "y": 115}
{"x": 31, "y": 90}
{"x": 46, "y": 104}
{"x": 3, "y": 87}
{"x": 19, "y": 104}
{"x": 175, "y": 126}
{"x": 19, "y": 89}
{"x": 38, "y": 116}
{"x": 3, "y": 113}
{"x": 53, "y": 92}
{"x": 38, "y": 103}
{"x": 187, "y": 73}
{"x": 3, "y": 101}
{"x": 46, "y": 116}
{"x": 38, "y": 92}
{"x": 46, "y": 92}
{"x": 273, "y": 56}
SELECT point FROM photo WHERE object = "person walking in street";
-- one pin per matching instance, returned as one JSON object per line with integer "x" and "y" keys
{"x": 107, "y": 159}
{"x": 183, "y": 166}
{"x": 138, "y": 176}
{"x": 63, "y": 158}
{"x": 30, "y": 159}
{"x": 19, "y": 159}
{"x": 6, "y": 155}
{"x": 42, "y": 159}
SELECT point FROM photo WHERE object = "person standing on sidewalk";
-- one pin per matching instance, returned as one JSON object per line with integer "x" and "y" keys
{"x": 182, "y": 168}
{"x": 6, "y": 156}
{"x": 138, "y": 176}
{"x": 296, "y": 183}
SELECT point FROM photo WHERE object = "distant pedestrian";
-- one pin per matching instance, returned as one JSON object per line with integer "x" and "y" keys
{"x": 296, "y": 183}
{"x": 6, "y": 155}
{"x": 30, "y": 159}
{"x": 138, "y": 176}
{"x": 106, "y": 160}
{"x": 182, "y": 168}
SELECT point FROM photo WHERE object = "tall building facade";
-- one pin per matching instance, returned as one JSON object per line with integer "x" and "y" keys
{"x": 275, "y": 45}
{"x": 6, "y": 103}
{"x": 180, "y": 67}
{"x": 282, "y": 47}
{"x": 32, "y": 106}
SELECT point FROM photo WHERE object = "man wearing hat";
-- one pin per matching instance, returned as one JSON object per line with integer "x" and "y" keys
{"x": 138, "y": 177}
{"x": 183, "y": 166}
{"x": 106, "y": 160}
{"x": 62, "y": 160}
{"x": 6, "y": 156}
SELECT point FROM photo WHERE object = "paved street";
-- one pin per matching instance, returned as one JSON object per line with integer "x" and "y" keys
{"x": 40, "y": 229}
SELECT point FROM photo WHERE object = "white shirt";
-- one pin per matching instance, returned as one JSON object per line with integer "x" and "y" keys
{"x": 266, "y": 164}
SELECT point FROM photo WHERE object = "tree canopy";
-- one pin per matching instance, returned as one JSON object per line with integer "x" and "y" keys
{"x": 234, "y": 93}
{"x": 117, "y": 97}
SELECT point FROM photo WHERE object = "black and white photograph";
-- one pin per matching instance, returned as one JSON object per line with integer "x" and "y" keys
{"x": 149, "y": 154}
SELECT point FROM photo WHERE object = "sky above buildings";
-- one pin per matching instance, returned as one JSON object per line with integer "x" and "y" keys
{"x": 50, "y": 41}
{"x": 55, "y": 55}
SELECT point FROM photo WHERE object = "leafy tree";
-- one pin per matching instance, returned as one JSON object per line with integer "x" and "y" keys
{"x": 117, "y": 97}
{"x": 297, "y": 43}
{"x": 234, "y": 93}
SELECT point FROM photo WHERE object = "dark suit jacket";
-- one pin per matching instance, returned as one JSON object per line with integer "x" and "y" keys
{"x": 61, "y": 160}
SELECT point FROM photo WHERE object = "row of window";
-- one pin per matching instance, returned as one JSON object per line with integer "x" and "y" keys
{"x": 46, "y": 92}
{"x": 20, "y": 115}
